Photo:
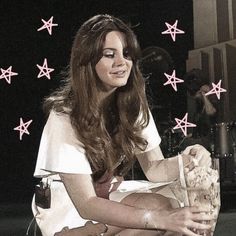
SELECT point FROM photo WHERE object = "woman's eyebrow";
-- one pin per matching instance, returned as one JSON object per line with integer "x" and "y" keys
{"x": 113, "y": 49}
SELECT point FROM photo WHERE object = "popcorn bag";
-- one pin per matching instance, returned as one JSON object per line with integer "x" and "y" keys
{"x": 199, "y": 186}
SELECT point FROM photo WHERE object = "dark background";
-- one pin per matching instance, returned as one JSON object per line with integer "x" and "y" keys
{"x": 22, "y": 47}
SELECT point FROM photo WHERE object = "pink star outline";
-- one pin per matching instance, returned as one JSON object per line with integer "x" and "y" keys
{"x": 44, "y": 70}
{"x": 7, "y": 74}
{"x": 185, "y": 122}
{"x": 173, "y": 30}
{"x": 217, "y": 89}
{"x": 173, "y": 80}
{"x": 47, "y": 25}
{"x": 23, "y": 127}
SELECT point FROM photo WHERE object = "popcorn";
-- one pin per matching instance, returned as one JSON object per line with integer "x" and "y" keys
{"x": 203, "y": 188}
{"x": 201, "y": 177}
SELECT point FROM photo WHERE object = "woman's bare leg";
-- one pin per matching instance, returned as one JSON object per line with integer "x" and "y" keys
{"x": 142, "y": 200}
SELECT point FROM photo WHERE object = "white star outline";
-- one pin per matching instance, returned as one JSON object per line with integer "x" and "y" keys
{"x": 7, "y": 74}
{"x": 173, "y": 30}
{"x": 217, "y": 89}
{"x": 173, "y": 80}
{"x": 47, "y": 25}
{"x": 185, "y": 122}
{"x": 25, "y": 126}
{"x": 44, "y": 70}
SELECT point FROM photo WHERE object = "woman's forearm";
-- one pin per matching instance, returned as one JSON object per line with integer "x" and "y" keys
{"x": 116, "y": 214}
{"x": 160, "y": 169}
{"x": 99, "y": 209}
{"x": 163, "y": 170}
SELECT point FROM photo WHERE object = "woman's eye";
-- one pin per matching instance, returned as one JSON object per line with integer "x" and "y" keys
{"x": 109, "y": 54}
{"x": 126, "y": 55}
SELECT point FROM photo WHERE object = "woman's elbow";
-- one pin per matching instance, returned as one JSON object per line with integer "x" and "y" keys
{"x": 84, "y": 214}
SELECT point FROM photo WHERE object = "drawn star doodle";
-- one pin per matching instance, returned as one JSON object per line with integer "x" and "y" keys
{"x": 217, "y": 89}
{"x": 173, "y": 80}
{"x": 172, "y": 30}
{"x": 185, "y": 124}
{"x": 47, "y": 25}
{"x": 23, "y": 127}
{"x": 7, "y": 74}
{"x": 44, "y": 70}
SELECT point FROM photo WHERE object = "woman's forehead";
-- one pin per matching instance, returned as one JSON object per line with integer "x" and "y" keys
{"x": 115, "y": 38}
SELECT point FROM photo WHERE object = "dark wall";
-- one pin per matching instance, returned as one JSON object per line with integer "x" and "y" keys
{"x": 22, "y": 47}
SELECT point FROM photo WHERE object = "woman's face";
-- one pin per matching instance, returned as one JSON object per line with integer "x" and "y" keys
{"x": 113, "y": 69}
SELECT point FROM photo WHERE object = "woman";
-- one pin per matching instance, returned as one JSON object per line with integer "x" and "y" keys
{"x": 99, "y": 123}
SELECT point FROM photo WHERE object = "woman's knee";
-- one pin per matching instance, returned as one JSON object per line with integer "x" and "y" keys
{"x": 147, "y": 200}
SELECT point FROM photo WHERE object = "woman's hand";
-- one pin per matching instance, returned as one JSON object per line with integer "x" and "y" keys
{"x": 183, "y": 220}
{"x": 199, "y": 155}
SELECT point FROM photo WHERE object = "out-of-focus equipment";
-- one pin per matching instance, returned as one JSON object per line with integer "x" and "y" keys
{"x": 154, "y": 63}
{"x": 194, "y": 79}
{"x": 224, "y": 149}
{"x": 156, "y": 59}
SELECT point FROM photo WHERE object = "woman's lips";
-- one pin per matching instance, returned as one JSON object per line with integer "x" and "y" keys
{"x": 120, "y": 73}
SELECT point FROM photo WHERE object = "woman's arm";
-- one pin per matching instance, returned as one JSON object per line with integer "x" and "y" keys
{"x": 158, "y": 169}
{"x": 81, "y": 191}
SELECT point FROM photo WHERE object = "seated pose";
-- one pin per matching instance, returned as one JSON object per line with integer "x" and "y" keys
{"x": 99, "y": 123}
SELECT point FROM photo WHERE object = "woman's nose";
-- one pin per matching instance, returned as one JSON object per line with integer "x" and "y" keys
{"x": 120, "y": 60}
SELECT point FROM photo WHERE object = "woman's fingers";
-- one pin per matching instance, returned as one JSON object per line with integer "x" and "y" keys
{"x": 201, "y": 221}
{"x": 193, "y": 151}
{"x": 196, "y": 150}
{"x": 191, "y": 221}
{"x": 191, "y": 232}
{"x": 200, "y": 226}
{"x": 200, "y": 156}
{"x": 200, "y": 214}
{"x": 195, "y": 209}
{"x": 203, "y": 217}
{"x": 197, "y": 229}
{"x": 196, "y": 216}
{"x": 187, "y": 150}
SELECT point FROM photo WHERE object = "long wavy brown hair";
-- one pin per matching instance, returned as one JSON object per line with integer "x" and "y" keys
{"x": 108, "y": 130}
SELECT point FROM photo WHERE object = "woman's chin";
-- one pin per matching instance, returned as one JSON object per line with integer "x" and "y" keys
{"x": 114, "y": 86}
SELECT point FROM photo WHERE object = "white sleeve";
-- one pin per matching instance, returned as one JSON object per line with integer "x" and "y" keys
{"x": 151, "y": 134}
{"x": 59, "y": 150}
